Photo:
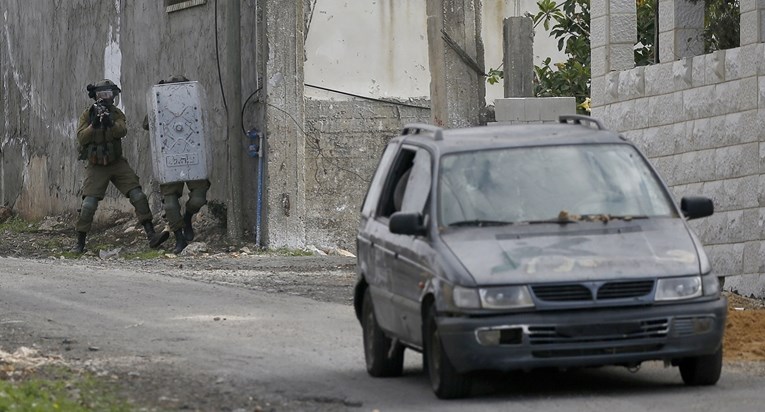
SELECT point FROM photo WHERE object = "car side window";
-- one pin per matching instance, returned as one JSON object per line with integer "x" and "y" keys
{"x": 408, "y": 184}
{"x": 373, "y": 193}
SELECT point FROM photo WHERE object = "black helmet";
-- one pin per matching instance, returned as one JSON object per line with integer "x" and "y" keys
{"x": 105, "y": 85}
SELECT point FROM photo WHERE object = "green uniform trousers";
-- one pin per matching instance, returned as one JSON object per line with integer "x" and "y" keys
{"x": 171, "y": 194}
{"x": 119, "y": 173}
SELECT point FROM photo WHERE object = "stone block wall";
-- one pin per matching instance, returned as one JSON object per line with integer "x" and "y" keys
{"x": 344, "y": 142}
{"x": 701, "y": 122}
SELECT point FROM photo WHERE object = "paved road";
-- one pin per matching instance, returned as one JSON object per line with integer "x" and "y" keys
{"x": 303, "y": 349}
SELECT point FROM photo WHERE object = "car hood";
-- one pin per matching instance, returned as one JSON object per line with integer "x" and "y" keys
{"x": 585, "y": 251}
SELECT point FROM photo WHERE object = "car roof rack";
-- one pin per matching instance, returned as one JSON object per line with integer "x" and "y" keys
{"x": 578, "y": 119}
{"x": 417, "y": 128}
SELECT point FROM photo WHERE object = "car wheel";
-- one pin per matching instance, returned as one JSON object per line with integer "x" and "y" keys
{"x": 702, "y": 370}
{"x": 382, "y": 361}
{"x": 447, "y": 383}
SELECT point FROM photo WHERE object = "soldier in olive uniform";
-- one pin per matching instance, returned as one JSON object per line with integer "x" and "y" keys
{"x": 172, "y": 193}
{"x": 99, "y": 133}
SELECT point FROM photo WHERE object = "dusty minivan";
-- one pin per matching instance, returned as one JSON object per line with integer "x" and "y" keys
{"x": 531, "y": 246}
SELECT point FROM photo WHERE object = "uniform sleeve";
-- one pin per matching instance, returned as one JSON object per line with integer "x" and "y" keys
{"x": 84, "y": 134}
{"x": 119, "y": 127}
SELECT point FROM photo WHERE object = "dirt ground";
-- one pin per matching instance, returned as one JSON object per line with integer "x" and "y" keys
{"x": 211, "y": 259}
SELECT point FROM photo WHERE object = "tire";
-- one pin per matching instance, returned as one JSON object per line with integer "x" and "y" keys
{"x": 447, "y": 383}
{"x": 377, "y": 346}
{"x": 702, "y": 370}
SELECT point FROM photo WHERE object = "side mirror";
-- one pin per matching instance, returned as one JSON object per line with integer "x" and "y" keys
{"x": 403, "y": 223}
{"x": 694, "y": 207}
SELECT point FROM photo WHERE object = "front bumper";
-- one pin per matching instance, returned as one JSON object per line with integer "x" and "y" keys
{"x": 614, "y": 336}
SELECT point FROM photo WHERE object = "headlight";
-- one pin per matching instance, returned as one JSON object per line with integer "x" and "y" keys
{"x": 678, "y": 288}
{"x": 506, "y": 297}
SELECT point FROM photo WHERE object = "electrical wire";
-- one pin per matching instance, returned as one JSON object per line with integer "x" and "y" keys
{"x": 244, "y": 106}
{"x": 217, "y": 58}
{"x": 367, "y": 98}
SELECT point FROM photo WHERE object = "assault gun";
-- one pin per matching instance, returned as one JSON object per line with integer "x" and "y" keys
{"x": 99, "y": 114}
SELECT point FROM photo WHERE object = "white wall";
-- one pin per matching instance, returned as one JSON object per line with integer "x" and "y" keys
{"x": 379, "y": 48}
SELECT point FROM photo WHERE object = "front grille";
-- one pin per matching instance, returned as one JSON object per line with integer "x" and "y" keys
{"x": 624, "y": 290}
{"x": 570, "y": 353}
{"x": 562, "y": 293}
{"x": 598, "y": 332}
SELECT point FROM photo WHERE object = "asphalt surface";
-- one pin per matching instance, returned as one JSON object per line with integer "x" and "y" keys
{"x": 286, "y": 348}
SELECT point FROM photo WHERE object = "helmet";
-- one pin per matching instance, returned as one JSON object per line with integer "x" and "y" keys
{"x": 176, "y": 78}
{"x": 103, "y": 89}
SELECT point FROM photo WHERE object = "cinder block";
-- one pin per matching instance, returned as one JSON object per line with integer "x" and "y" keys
{"x": 726, "y": 260}
{"x": 666, "y": 16}
{"x": 747, "y": 5}
{"x": 552, "y": 107}
{"x": 509, "y": 109}
{"x": 714, "y": 67}
{"x": 622, "y": 28}
{"x": 666, "y": 109}
{"x": 598, "y": 91}
{"x": 699, "y": 70}
{"x": 642, "y": 113}
{"x": 667, "y": 47}
{"x": 689, "y": 15}
{"x": 598, "y": 31}
{"x": 622, "y": 56}
{"x": 622, "y": 7}
{"x": 750, "y": 27}
{"x": 748, "y": 284}
{"x": 736, "y": 161}
{"x": 612, "y": 86}
{"x": 752, "y": 257}
{"x": 658, "y": 79}
{"x": 632, "y": 83}
{"x": 699, "y": 102}
{"x": 682, "y": 73}
{"x": 533, "y": 109}
{"x": 598, "y": 9}
{"x": 598, "y": 61}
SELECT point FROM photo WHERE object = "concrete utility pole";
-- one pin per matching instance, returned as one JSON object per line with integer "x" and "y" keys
{"x": 234, "y": 216}
{"x": 518, "y": 40}
{"x": 457, "y": 85}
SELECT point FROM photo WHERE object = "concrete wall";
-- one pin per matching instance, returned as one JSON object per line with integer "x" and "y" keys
{"x": 49, "y": 52}
{"x": 700, "y": 120}
{"x": 344, "y": 142}
{"x": 380, "y": 49}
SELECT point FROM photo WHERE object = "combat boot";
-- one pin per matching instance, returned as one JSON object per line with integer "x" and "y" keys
{"x": 80, "y": 246}
{"x": 155, "y": 240}
{"x": 180, "y": 241}
{"x": 188, "y": 231}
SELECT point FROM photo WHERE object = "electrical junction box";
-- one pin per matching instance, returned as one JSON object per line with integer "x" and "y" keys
{"x": 179, "y": 148}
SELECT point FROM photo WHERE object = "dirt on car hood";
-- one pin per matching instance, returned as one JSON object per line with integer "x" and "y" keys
{"x": 583, "y": 251}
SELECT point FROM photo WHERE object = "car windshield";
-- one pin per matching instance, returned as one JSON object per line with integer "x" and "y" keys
{"x": 548, "y": 184}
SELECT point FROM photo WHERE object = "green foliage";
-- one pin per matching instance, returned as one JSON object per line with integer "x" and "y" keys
{"x": 645, "y": 52}
{"x": 569, "y": 22}
{"x": 63, "y": 391}
{"x": 146, "y": 255}
{"x": 721, "y": 25}
{"x": 16, "y": 224}
{"x": 495, "y": 76}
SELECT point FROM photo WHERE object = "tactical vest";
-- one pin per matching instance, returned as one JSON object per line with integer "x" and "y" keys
{"x": 101, "y": 152}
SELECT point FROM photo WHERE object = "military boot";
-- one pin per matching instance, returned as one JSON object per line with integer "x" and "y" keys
{"x": 155, "y": 240}
{"x": 180, "y": 241}
{"x": 80, "y": 246}
{"x": 188, "y": 230}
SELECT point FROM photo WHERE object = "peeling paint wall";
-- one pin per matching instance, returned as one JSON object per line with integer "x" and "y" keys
{"x": 380, "y": 48}
{"x": 49, "y": 52}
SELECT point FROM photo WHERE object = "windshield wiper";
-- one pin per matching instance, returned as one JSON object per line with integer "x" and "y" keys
{"x": 480, "y": 223}
{"x": 604, "y": 217}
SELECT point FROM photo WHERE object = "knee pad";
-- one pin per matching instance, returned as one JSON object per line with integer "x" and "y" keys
{"x": 89, "y": 206}
{"x": 140, "y": 202}
{"x": 197, "y": 199}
